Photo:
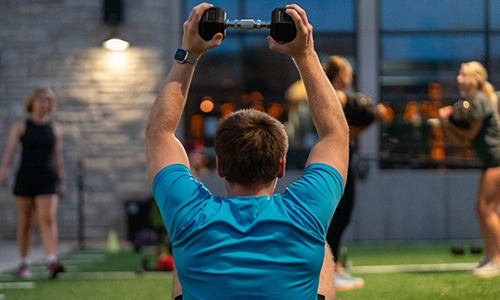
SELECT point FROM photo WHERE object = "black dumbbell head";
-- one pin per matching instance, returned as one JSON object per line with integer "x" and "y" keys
{"x": 282, "y": 26}
{"x": 212, "y": 22}
{"x": 462, "y": 114}
{"x": 359, "y": 109}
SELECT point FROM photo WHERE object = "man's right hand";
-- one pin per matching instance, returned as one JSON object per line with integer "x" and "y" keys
{"x": 303, "y": 43}
{"x": 191, "y": 39}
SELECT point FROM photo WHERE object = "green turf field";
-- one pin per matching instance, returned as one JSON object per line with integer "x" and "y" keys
{"x": 104, "y": 275}
{"x": 420, "y": 284}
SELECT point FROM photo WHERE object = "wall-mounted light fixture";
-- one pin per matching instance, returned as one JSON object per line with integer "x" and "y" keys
{"x": 113, "y": 15}
{"x": 115, "y": 43}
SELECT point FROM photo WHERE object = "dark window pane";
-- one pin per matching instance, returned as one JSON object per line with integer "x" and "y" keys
{"x": 324, "y": 15}
{"x": 494, "y": 14}
{"x": 432, "y": 15}
{"x": 219, "y": 64}
{"x": 437, "y": 47}
{"x": 494, "y": 64}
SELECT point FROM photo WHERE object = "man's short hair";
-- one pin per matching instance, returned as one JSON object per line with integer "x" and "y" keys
{"x": 250, "y": 145}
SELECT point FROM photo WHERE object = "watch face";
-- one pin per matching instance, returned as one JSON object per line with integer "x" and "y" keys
{"x": 181, "y": 55}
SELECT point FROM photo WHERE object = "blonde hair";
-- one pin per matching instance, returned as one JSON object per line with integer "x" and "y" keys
{"x": 480, "y": 75}
{"x": 28, "y": 105}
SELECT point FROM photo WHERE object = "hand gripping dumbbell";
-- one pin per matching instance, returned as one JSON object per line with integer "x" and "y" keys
{"x": 214, "y": 21}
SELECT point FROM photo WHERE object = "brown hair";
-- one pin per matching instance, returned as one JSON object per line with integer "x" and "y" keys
{"x": 28, "y": 104}
{"x": 250, "y": 145}
{"x": 334, "y": 65}
{"x": 479, "y": 73}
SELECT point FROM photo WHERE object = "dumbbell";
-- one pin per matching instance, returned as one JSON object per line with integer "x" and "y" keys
{"x": 214, "y": 20}
{"x": 462, "y": 114}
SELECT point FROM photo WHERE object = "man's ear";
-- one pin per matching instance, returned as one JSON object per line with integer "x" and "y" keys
{"x": 219, "y": 169}
{"x": 281, "y": 170}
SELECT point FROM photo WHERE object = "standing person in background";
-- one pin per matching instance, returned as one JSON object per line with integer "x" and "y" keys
{"x": 40, "y": 179}
{"x": 340, "y": 73}
{"x": 483, "y": 130}
{"x": 197, "y": 160}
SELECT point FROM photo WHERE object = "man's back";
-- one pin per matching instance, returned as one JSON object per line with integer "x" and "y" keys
{"x": 248, "y": 247}
{"x": 250, "y": 148}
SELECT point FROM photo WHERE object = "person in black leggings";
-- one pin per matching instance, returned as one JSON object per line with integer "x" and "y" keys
{"x": 40, "y": 178}
{"x": 340, "y": 73}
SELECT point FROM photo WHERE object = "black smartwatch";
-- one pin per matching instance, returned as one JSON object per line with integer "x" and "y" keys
{"x": 182, "y": 57}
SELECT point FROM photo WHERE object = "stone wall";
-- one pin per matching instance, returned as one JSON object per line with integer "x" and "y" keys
{"x": 104, "y": 97}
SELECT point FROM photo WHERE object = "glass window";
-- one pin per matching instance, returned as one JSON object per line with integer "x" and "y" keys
{"x": 324, "y": 15}
{"x": 437, "y": 47}
{"x": 432, "y": 15}
{"x": 243, "y": 72}
{"x": 494, "y": 9}
{"x": 494, "y": 63}
{"x": 418, "y": 76}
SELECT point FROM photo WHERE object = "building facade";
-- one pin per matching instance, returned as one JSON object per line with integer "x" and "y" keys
{"x": 404, "y": 53}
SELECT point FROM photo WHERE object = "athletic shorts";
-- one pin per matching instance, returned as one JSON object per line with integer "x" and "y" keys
{"x": 32, "y": 183}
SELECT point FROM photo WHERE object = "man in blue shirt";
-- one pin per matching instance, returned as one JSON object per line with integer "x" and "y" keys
{"x": 252, "y": 244}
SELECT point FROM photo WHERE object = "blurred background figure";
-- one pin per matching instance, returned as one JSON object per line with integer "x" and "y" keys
{"x": 196, "y": 156}
{"x": 478, "y": 118}
{"x": 360, "y": 114}
{"x": 40, "y": 178}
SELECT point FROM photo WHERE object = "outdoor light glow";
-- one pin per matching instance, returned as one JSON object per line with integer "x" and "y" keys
{"x": 116, "y": 44}
{"x": 207, "y": 106}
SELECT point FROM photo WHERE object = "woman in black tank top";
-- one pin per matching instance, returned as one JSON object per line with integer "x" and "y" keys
{"x": 40, "y": 178}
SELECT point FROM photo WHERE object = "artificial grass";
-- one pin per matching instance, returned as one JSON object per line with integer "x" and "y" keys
{"x": 98, "y": 289}
{"x": 407, "y": 253}
{"x": 423, "y": 285}
{"x": 103, "y": 261}
{"x": 413, "y": 286}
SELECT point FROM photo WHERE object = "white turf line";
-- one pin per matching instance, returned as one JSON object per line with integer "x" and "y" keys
{"x": 112, "y": 275}
{"x": 413, "y": 268}
{"x": 17, "y": 285}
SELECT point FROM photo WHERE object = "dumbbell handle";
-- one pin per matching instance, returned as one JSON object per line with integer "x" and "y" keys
{"x": 214, "y": 21}
{"x": 248, "y": 24}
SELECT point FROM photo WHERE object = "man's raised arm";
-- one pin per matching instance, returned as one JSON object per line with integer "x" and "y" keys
{"x": 162, "y": 147}
{"x": 332, "y": 147}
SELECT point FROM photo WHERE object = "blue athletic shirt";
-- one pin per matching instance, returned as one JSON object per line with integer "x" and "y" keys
{"x": 248, "y": 247}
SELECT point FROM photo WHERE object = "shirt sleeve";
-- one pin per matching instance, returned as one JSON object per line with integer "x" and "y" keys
{"x": 316, "y": 195}
{"x": 481, "y": 107}
{"x": 179, "y": 196}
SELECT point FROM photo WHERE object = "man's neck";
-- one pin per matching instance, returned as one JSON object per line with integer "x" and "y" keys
{"x": 237, "y": 190}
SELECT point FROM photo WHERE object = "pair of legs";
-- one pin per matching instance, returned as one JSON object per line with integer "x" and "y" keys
{"x": 326, "y": 286}
{"x": 45, "y": 206}
{"x": 341, "y": 219}
{"x": 488, "y": 199}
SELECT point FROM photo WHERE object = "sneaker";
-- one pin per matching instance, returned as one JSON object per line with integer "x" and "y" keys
{"x": 343, "y": 284}
{"x": 53, "y": 268}
{"x": 358, "y": 282}
{"x": 345, "y": 281}
{"x": 23, "y": 271}
{"x": 490, "y": 269}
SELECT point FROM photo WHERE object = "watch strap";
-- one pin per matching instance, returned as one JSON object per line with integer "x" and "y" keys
{"x": 191, "y": 59}
{"x": 182, "y": 56}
